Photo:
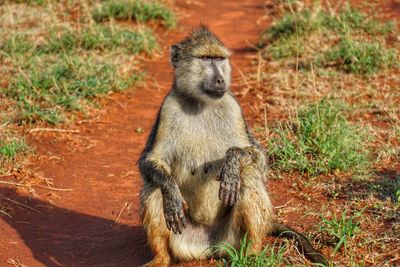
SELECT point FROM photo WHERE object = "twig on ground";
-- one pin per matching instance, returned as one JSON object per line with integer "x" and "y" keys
{"x": 19, "y": 204}
{"x": 284, "y": 205}
{"x": 126, "y": 205}
{"x": 16, "y": 263}
{"x": 52, "y": 130}
{"x": 5, "y": 213}
{"x": 39, "y": 186}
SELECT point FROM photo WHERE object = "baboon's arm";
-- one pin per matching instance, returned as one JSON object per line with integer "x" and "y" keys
{"x": 235, "y": 159}
{"x": 173, "y": 203}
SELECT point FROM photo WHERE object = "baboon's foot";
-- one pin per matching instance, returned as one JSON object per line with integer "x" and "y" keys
{"x": 158, "y": 261}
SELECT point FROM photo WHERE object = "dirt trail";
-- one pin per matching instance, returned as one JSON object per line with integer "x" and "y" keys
{"x": 98, "y": 223}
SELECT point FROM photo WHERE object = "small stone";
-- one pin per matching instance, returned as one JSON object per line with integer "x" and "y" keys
{"x": 139, "y": 130}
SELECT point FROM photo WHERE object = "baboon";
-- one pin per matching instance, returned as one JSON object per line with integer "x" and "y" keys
{"x": 203, "y": 171}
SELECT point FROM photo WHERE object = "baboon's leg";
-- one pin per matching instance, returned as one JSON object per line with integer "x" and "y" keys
{"x": 253, "y": 211}
{"x": 254, "y": 205}
{"x": 154, "y": 224}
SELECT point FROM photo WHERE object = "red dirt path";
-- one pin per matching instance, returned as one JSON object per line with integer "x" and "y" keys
{"x": 80, "y": 228}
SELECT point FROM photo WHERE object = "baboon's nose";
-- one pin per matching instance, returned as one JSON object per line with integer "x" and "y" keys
{"x": 219, "y": 82}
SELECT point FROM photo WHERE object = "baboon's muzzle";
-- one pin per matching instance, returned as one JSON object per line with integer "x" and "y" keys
{"x": 219, "y": 89}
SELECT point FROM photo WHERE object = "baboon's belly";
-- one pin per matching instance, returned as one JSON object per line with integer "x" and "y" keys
{"x": 200, "y": 190}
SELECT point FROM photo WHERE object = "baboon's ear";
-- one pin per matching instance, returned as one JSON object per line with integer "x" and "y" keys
{"x": 174, "y": 55}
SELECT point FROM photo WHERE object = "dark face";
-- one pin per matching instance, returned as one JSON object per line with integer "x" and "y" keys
{"x": 214, "y": 84}
{"x": 216, "y": 73}
{"x": 207, "y": 78}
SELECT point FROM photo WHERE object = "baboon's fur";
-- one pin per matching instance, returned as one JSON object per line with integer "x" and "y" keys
{"x": 192, "y": 140}
{"x": 202, "y": 43}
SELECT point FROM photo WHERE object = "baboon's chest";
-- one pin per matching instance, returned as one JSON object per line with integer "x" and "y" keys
{"x": 206, "y": 138}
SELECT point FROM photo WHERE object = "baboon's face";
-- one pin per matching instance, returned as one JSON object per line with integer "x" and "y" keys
{"x": 206, "y": 78}
{"x": 215, "y": 73}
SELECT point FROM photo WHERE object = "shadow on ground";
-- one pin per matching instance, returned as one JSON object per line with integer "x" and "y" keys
{"x": 60, "y": 237}
{"x": 383, "y": 186}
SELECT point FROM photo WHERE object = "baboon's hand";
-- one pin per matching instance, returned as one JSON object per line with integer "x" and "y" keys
{"x": 230, "y": 177}
{"x": 174, "y": 212}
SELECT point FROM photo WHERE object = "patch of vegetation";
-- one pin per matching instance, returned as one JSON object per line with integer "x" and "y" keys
{"x": 243, "y": 258}
{"x": 320, "y": 140}
{"x": 139, "y": 10}
{"x": 99, "y": 37}
{"x": 290, "y": 46}
{"x": 341, "y": 229}
{"x": 361, "y": 57}
{"x": 389, "y": 187}
{"x": 291, "y": 24}
{"x": 346, "y": 20}
{"x": 66, "y": 40}
{"x": 300, "y": 34}
{"x": 9, "y": 149}
{"x": 15, "y": 44}
{"x": 52, "y": 86}
{"x": 351, "y": 19}
{"x": 62, "y": 71}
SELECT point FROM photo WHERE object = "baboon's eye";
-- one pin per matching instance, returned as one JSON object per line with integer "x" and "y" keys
{"x": 219, "y": 58}
{"x": 205, "y": 58}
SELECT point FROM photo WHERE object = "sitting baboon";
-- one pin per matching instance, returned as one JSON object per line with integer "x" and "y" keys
{"x": 204, "y": 173}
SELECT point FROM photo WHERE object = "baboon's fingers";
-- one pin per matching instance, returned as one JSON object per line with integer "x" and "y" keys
{"x": 232, "y": 198}
{"x": 168, "y": 224}
{"x": 221, "y": 192}
{"x": 183, "y": 219}
{"x": 173, "y": 226}
{"x": 178, "y": 223}
{"x": 226, "y": 198}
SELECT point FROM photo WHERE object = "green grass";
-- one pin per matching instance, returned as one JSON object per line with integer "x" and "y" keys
{"x": 243, "y": 258}
{"x": 340, "y": 229}
{"x": 51, "y": 86}
{"x": 361, "y": 57}
{"x": 291, "y": 24}
{"x": 99, "y": 37}
{"x": 18, "y": 43}
{"x": 141, "y": 11}
{"x": 11, "y": 148}
{"x": 289, "y": 46}
{"x": 319, "y": 140}
{"x": 348, "y": 37}
{"x": 65, "y": 40}
{"x": 347, "y": 19}
{"x": 351, "y": 19}
{"x": 68, "y": 68}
